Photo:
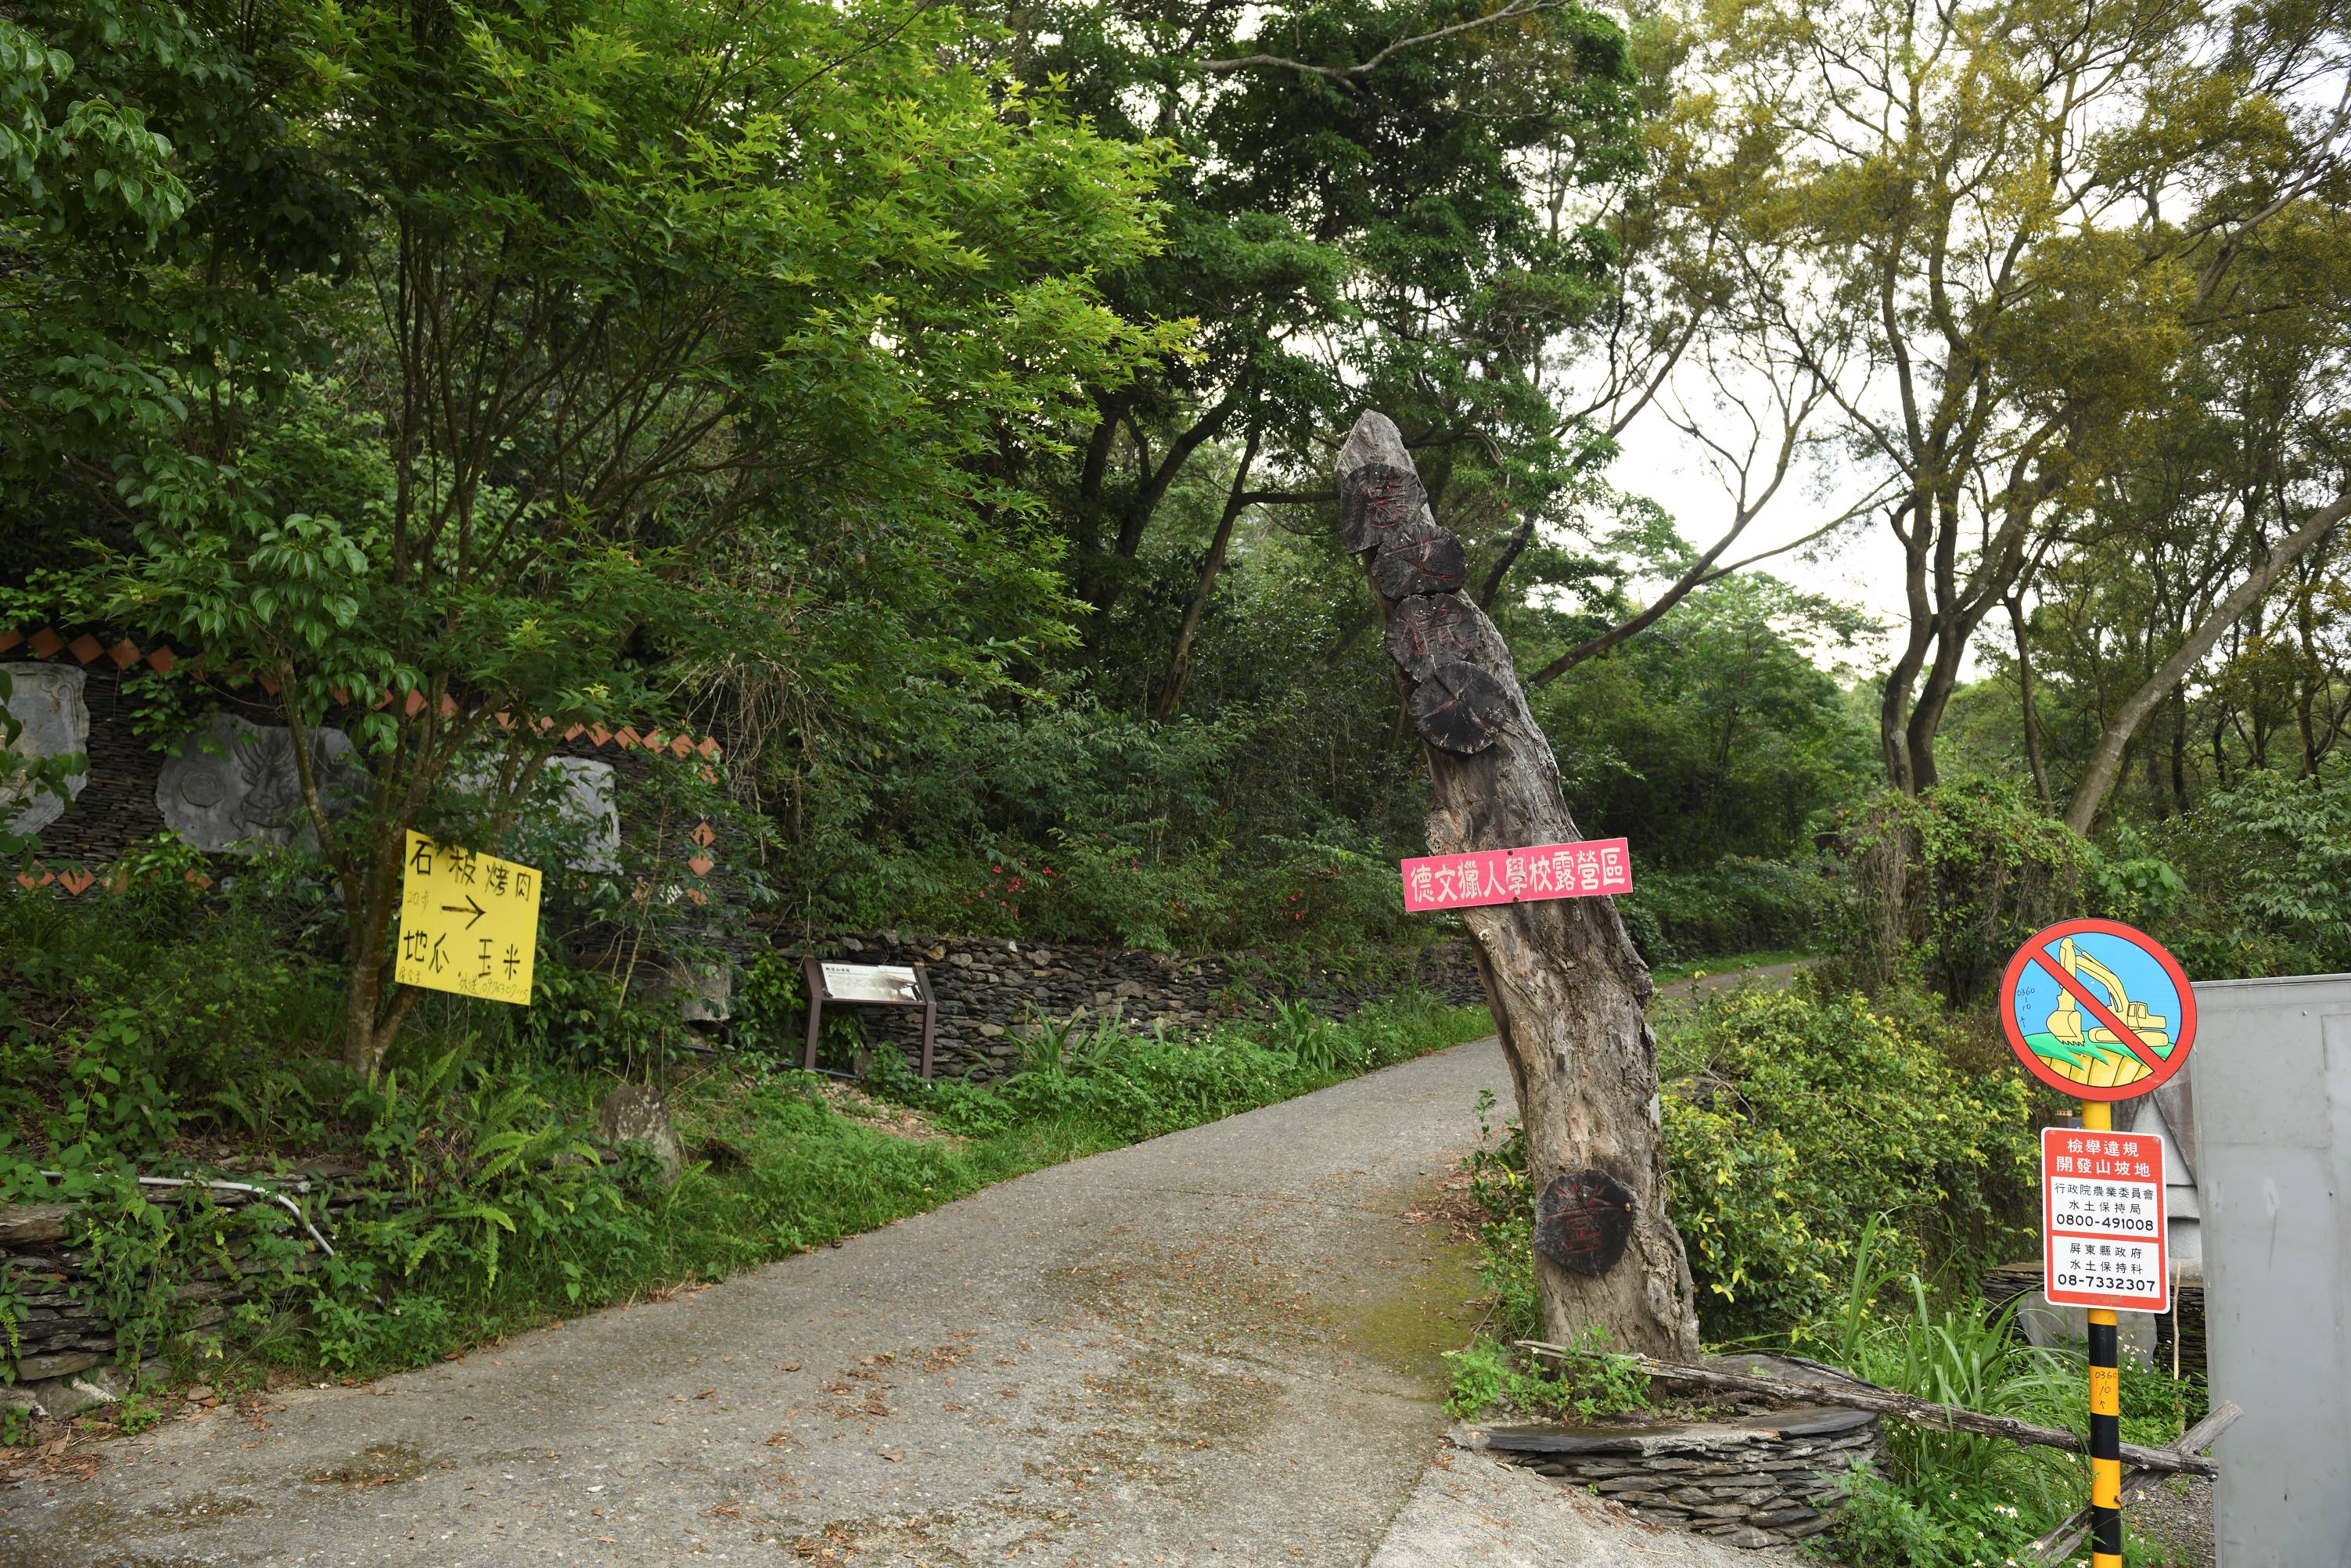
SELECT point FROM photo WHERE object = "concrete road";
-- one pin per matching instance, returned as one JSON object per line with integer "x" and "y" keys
{"x": 1219, "y": 1347}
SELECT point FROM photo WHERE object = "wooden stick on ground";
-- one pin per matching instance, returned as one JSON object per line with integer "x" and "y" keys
{"x": 1860, "y": 1396}
{"x": 2068, "y": 1535}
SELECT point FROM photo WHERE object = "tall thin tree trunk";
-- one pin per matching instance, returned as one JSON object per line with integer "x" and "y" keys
{"x": 2304, "y": 680}
{"x": 1179, "y": 665}
{"x": 2030, "y": 705}
{"x": 2180, "y": 749}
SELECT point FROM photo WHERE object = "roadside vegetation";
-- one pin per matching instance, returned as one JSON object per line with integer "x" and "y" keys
{"x": 1852, "y": 1150}
{"x": 487, "y": 1204}
{"x": 932, "y": 406}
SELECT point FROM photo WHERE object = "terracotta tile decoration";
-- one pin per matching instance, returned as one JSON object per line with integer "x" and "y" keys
{"x": 75, "y": 882}
{"x": 702, "y": 834}
{"x": 47, "y": 642}
{"x": 701, "y": 864}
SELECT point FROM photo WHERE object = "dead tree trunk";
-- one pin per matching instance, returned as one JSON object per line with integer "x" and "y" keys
{"x": 1566, "y": 987}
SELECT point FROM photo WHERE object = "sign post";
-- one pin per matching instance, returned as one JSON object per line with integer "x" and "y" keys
{"x": 2099, "y": 1010}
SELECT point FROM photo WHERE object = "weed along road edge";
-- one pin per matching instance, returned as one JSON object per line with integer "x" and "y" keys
{"x": 1219, "y": 1346}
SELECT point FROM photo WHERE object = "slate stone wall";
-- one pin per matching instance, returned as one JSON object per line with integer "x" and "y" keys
{"x": 988, "y": 987}
{"x": 61, "y": 1329}
{"x": 1758, "y": 1480}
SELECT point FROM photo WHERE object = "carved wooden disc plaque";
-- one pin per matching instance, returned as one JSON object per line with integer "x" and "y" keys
{"x": 1459, "y": 707}
{"x": 1428, "y": 629}
{"x": 1422, "y": 558}
{"x": 1583, "y": 1221}
{"x": 1375, "y": 502}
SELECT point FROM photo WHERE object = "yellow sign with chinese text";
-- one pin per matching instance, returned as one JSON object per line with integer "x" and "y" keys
{"x": 468, "y": 923}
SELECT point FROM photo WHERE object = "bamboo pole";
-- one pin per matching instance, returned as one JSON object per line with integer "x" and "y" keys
{"x": 1860, "y": 1396}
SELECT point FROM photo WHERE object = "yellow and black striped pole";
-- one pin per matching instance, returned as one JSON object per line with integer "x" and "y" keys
{"x": 2106, "y": 1407}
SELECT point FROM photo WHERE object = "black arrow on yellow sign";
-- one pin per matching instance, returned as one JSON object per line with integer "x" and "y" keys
{"x": 460, "y": 909}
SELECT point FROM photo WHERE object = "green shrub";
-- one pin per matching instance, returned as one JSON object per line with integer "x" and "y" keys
{"x": 1949, "y": 1499}
{"x": 1943, "y": 887}
{"x": 1804, "y": 1121}
{"x": 2267, "y": 872}
{"x": 582, "y": 1018}
{"x": 769, "y": 1005}
{"x": 1740, "y": 906}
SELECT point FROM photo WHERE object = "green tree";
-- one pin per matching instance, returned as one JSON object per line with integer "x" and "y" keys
{"x": 636, "y": 301}
{"x": 1994, "y": 231}
{"x": 1715, "y": 733}
{"x": 1358, "y": 218}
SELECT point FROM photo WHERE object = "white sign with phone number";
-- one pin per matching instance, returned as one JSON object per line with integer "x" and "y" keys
{"x": 2102, "y": 1231}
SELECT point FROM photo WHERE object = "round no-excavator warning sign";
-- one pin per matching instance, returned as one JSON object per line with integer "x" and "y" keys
{"x": 2097, "y": 1009}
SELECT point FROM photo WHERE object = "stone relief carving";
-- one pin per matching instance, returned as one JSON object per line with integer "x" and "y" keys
{"x": 590, "y": 802}
{"x": 233, "y": 785}
{"x": 587, "y": 808}
{"x": 46, "y": 699}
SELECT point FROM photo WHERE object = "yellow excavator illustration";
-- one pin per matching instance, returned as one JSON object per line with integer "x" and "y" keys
{"x": 2106, "y": 1061}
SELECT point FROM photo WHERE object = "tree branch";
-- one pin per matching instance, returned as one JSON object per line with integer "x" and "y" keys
{"x": 2107, "y": 759}
{"x": 1347, "y": 75}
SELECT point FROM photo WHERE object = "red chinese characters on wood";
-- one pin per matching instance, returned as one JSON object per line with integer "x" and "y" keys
{"x": 1377, "y": 502}
{"x": 1460, "y": 707}
{"x": 1419, "y": 560}
{"x": 1586, "y": 869}
{"x": 1428, "y": 629}
{"x": 1583, "y": 1221}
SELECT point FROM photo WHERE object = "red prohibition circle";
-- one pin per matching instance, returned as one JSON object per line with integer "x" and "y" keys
{"x": 2035, "y": 951}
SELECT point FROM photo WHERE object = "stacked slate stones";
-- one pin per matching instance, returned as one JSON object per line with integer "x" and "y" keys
{"x": 62, "y": 1336}
{"x": 1419, "y": 568}
{"x": 1751, "y": 1482}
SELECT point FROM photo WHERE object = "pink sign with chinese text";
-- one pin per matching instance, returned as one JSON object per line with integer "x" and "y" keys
{"x": 1517, "y": 877}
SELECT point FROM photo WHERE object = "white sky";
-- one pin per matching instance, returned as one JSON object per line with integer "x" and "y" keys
{"x": 1860, "y": 565}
